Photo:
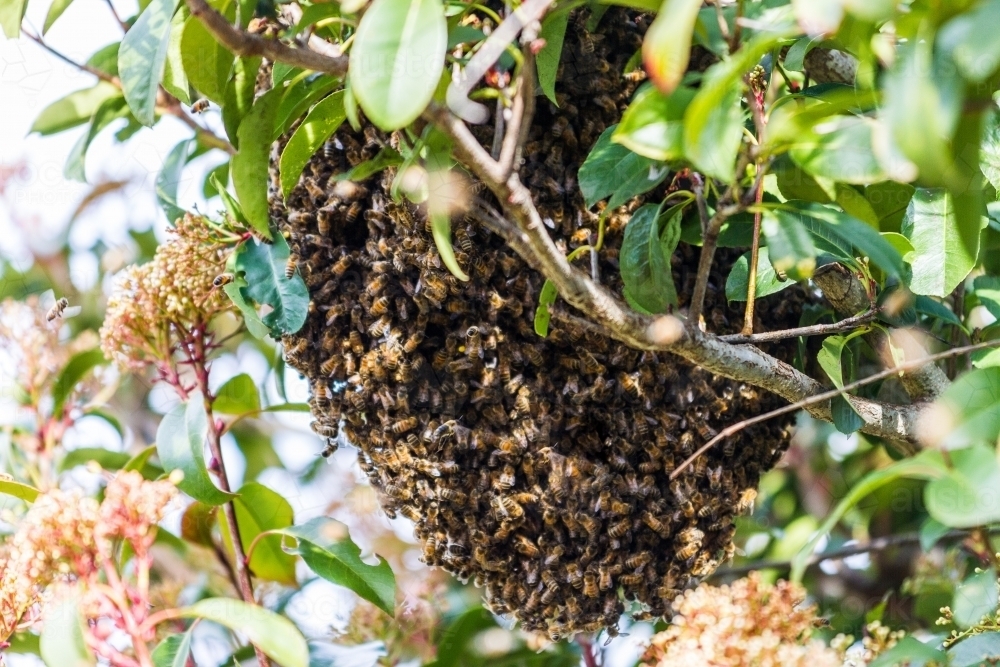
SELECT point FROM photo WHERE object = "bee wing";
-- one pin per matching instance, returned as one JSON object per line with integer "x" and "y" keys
{"x": 72, "y": 311}
{"x": 46, "y": 300}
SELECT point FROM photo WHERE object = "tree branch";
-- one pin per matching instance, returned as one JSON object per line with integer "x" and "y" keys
{"x": 847, "y": 324}
{"x": 244, "y": 44}
{"x": 743, "y": 363}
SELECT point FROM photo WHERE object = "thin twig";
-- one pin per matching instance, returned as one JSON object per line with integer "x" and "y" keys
{"x": 814, "y": 330}
{"x": 522, "y": 111}
{"x": 877, "y": 544}
{"x": 244, "y": 44}
{"x": 118, "y": 18}
{"x": 826, "y": 396}
{"x": 103, "y": 76}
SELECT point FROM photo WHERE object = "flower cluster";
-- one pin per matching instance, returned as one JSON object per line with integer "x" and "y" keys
{"x": 749, "y": 622}
{"x": 153, "y": 306}
{"x": 878, "y": 639}
{"x": 66, "y": 538}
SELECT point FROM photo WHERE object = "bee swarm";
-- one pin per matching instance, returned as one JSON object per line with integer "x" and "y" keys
{"x": 539, "y": 468}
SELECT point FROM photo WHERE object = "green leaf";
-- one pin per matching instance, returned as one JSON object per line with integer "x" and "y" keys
{"x": 945, "y": 247}
{"x": 11, "y": 14}
{"x": 256, "y": 446}
{"x": 930, "y": 532}
{"x": 75, "y": 369}
{"x": 453, "y": 647}
{"x": 233, "y": 207}
{"x": 75, "y": 109}
{"x": 845, "y": 418}
{"x": 385, "y": 158}
{"x": 976, "y": 597}
{"x": 300, "y": 96}
{"x": 397, "y": 59}
{"x": 259, "y": 510}
{"x": 546, "y": 298}
{"x": 889, "y": 200}
{"x": 653, "y": 124}
{"x": 969, "y": 410}
{"x": 107, "y": 459}
{"x": 667, "y": 45}
{"x": 140, "y": 462}
{"x": 967, "y": 495}
{"x": 612, "y": 169}
{"x": 645, "y": 257}
{"x": 926, "y": 465}
{"x": 275, "y": 635}
{"x": 738, "y": 282}
{"x": 911, "y": 652}
{"x": 105, "y": 60}
{"x": 713, "y": 125}
{"x": 238, "y": 97}
{"x": 18, "y": 490}
{"x": 987, "y": 290}
{"x": 250, "y": 164}
{"x": 169, "y": 179}
{"x": 251, "y": 318}
{"x": 173, "y": 651}
{"x": 197, "y": 522}
{"x": 110, "y": 110}
{"x": 854, "y": 203}
{"x": 547, "y": 61}
{"x": 174, "y": 80}
{"x": 206, "y": 62}
{"x": 180, "y": 443}
{"x": 328, "y": 550}
{"x": 975, "y": 651}
{"x": 142, "y": 56}
{"x": 931, "y": 308}
{"x": 62, "y": 643}
{"x": 441, "y": 231}
{"x": 840, "y": 150}
{"x": 309, "y": 136}
{"x": 989, "y": 155}
{"x": 263, "y": 268}
{"x": 790, "y": 245}
{"x": 56, "y": 10}
{"x": 971, "y": 41}
{"x": 239, "y": 395}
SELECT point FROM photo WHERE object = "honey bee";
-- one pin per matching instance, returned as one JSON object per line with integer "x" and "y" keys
{"x": 506, "y": 479}
{"x": 411, "y": 513}
{"x": 525, "y": 546}
{"x": 200, "y": 106}
{"x": 403, "y": 425}
{"x": 745, "y": 503}
{"x": 638, "y": 560}
{"x": 511, "y": 508}
{"x": 636, "y": 75}
{"x": 329, "y": 366}
{"x": 381, "y": 306}
{"x": 380, "y": 326}
{"x": 654, "y": 523}
{"x": 590, "y": 584}
{"x": 376, "y": 286}
{"x": 574, "y": 577}
{"x": 630, "y": 383}
{"x": 630, "y": 580}
{"x": 619, "y": 529}
{"x": 606, "y": 103}
{"x": 464, "y": 241}
{"x": 57, "y": 310}
{"x": 290, "y": 266}
{"x": 220, "y": 280}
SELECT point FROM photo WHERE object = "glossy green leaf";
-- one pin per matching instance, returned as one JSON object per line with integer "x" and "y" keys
{"x": 105, "y": 60}
{"x": 11, "y": 14}
{"x": 322, "y": 121}
{"x": 738, "y": 282}
{"x": 75, "y": 370}
{"x": 233, "y": 208}
{"x": 169, "y": 179}
{"x": 106, "y": 458}
{"x": 18, "y": 490}
{"x": 238, "y": 96}
{"x": 206, "y": 62}
{"x": 987, "y": 290}
{"x": 645, "y": 257}
{"x": 275, "y": 635}
{"x": 251, "y": 318}
{"x": 925, "y": 305}
{"x": 976, "y": 597}
{"x": 713, "y": 126}
{"x": 174, "y": 79}
{"x": 969, "y": 409}
{"x": 142, "y": 56}
{"x": 790, "y": 245}
{"x": 889, "y": 200}
{"x": 385, "y": 158}
{"x": 975, "y": 651}
{"x": 546, "y": 298}
{"x": 140, "y": 462}
{"x": 328, "y": 550}
{"x": 841, "y": 150}
{"x": 300, "y": 96}
{"x": 239, "y": 395}
{"x": 397, "y": 59}
{"x": 667, "y": 44}
{"x": 258, "y": 510}
{"x": 926, "y": 465}
{"x": 945, "y": 247}
{"x": 173, "y": 651}
{"x": 56, "y": 10}
{"x": 930, "y": 532}
{"x": 180, "y": 443}
{"x": 910, "y": 652}
{"x": 547, "y": 61}
{"x": 262, "y": 265}
{"x": 967, "y": 496}
{"x": 250, "y": 164}
{"x": 62, "y": 643}
{"x": 110, "y": 110}
{"x": 197, "y": 523}
{"x": 613, "y": 170}
{"x": 653, "y": 124}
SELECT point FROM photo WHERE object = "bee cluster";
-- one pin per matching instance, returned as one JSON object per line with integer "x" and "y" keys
{"x": 539, "y": 468}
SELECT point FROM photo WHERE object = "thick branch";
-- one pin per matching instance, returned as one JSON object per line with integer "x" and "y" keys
{"x": 245, "y": 44}
{"x": 739, "y": 362}
{"x": 847, "y": 294}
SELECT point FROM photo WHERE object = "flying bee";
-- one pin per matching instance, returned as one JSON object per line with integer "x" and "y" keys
{"x": 200, "y": 106}
{"x": 291, "y": 265}
{"x": 57, "y": 309}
